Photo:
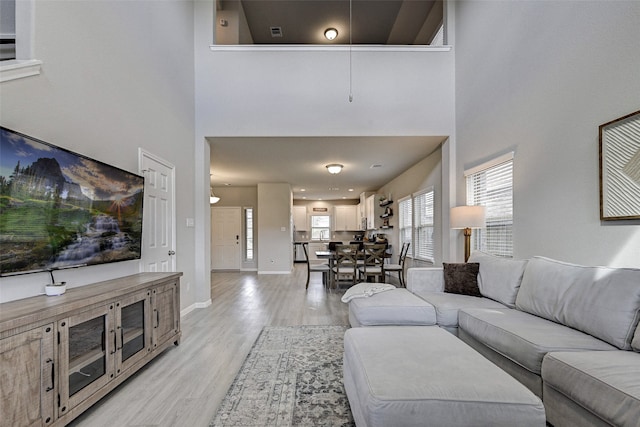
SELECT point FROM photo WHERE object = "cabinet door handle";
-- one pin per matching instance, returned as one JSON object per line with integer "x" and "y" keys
{"x": 157, "y": 318}
{"x": 53, "y": 375}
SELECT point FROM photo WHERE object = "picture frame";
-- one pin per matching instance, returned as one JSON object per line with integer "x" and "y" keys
{"x": 619, "y": 154}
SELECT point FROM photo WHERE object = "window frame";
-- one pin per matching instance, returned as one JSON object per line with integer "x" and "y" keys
{"x": 424, "y": 223}
{"x": 314, "y": 235}
{"x": 496, "y": 195}
{"x": 25, "y": 65}
{"x": 249, "y": 227}
{"x": 417, "y": 225}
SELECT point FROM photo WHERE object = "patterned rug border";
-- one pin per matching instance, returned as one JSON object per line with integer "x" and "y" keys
{"x": 279, "y": 384}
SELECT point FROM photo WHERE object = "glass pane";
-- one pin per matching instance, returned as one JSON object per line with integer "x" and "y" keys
{"x": 321, "y": 221}
{"x": 87, "y": 355}
{"x": 132, "y": 329}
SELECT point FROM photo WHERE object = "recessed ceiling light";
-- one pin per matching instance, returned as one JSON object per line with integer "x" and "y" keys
{"x": 351, "y": 189}
{"x": 303, "y": 189}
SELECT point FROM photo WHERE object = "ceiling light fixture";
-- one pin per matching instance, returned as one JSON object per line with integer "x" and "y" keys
{"x": 331, "y": 33}
{"x": 212, "y": 197}
{"x": 334, "y": 168}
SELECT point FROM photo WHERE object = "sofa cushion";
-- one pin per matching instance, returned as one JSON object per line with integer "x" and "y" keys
{"x": 635, "y": 344}
{"x": 461, "y": 278}
{"x": 606, "y": 383}
{"x": 522, "y": 337}
{"x": 448, "y": 305}
{"x": 499, "y": 278}
{"x": 603, "y": 302}
{"x": 394, "y": 307}
{"x": 412, "y": 376}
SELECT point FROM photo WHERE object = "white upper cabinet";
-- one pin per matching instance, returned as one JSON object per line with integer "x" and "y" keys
{"x": 300, "y": 218}
{"x": 346, "y": 218}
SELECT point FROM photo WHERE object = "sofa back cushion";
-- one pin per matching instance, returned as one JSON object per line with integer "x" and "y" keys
{"x": 499, "y": 278}
{"x": 635, "y": 344}
{"x": 603, "y": 302}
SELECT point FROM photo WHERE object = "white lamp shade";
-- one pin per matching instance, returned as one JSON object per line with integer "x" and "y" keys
{"x": 468, "y": 217}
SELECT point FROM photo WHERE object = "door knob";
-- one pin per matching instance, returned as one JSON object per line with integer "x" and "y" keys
{"x": 172, "y": 252}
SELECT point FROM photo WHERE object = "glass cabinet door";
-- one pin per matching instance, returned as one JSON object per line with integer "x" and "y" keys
{"x": 87, "y": 353}
{"x": 132, "y": 330}
{"x": 86, "y": 362}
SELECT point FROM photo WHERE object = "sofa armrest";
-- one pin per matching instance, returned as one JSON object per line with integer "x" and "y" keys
{"x": 425, "y": 279}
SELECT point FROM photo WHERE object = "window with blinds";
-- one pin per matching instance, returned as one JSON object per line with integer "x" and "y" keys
{"x": 248, "y": 233}
{"x": 491, "y": 185}
{"x": 416, "y": 223}
{"x": 423, "y": 225}
{"x": 405, "y": 222}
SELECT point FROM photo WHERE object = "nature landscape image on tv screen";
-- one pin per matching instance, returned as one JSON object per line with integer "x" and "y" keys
{"x": 59, "y": 209}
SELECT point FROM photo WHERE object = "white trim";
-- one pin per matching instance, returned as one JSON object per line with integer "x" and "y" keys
{"x": 274, "y": 272}
{"x": 195, "y": 306}
{"x": 334, "y": 48}
{"x": 142, "y": 153}
{"x": 19, "y": 68}
{"x": 491, "y": 163}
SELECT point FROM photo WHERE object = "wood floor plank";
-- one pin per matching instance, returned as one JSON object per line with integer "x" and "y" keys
{"x": 185, "y": 385}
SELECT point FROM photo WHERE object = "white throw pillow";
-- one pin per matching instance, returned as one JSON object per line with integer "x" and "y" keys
{"x": 364, "y": 289}
{"x": 499, "y": 278}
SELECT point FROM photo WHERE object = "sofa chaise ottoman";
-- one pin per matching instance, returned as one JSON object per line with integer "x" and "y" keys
{"x": 440, "y": 382}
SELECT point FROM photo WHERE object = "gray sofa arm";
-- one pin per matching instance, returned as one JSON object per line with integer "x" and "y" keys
{"x": 425, "y": 279}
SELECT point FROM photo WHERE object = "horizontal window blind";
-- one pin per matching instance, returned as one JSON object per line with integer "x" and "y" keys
{"x": 423, "y": 225}
{"x": 405, "y": 220}
{"x": 493, "y": 188}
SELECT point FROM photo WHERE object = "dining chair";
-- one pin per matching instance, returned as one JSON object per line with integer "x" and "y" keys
{"x": 345, "y": 264}
{"x": 332, "y": 245}
{"x": 399, "y": 267}
{"x": 311, "y": 268}
{"x": 373, "y": 265}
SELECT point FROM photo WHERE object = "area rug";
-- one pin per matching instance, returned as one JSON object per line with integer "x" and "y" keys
{"x": 291, "y": 377}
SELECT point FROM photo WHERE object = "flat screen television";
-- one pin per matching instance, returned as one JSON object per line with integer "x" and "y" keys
{"x": 60, "y": 209}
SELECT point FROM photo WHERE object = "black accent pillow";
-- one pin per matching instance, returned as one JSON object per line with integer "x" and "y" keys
{"x": 462, "y": 278}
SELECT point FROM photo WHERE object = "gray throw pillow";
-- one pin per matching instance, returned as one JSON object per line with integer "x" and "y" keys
{"x": 462, "y": 278}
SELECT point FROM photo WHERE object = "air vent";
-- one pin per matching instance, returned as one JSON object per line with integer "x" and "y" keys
{"x": 375, "y": 165}
{"x": 276, "y": 31}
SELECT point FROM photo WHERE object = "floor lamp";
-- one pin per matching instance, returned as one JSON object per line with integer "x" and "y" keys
{"x": 466, "y": 218}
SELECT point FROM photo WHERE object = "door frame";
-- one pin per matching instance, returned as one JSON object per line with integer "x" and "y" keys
{"x": 142, "y": 154}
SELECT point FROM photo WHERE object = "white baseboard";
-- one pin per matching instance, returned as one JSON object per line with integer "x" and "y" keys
{"x": 194, "y": 306}
{"x": 275, "y": 272}
{"x": 249, "y": 269}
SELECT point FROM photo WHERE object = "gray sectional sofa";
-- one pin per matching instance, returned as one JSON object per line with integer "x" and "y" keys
{"x": 569, "y": 333}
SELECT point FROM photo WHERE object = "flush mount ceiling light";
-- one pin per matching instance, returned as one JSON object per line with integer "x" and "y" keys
{"x": 331, "y": 33}
{"x": 334, "y": 168}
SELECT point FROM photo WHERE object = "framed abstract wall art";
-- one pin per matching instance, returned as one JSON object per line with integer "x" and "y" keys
{"x": 620, "y": 168}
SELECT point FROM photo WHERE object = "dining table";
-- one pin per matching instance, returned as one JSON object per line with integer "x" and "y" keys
{"x": 331, "y": 257}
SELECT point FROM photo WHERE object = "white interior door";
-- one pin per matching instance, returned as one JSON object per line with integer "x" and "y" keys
{"x": 226, "y": 229}
{"x": 158, "y": 241}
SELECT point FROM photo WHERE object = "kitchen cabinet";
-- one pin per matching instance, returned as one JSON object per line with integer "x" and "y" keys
{"x": 300, "y": 218}
{"x": 62, "y": 354}
{"x": 345, "y": 218}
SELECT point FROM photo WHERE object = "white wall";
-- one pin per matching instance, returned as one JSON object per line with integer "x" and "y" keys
{"x": 275, "y": 252}
{"x": 113, "y": 79}
{"x": 305, "y": 93}
{"x": 539, "y": 78}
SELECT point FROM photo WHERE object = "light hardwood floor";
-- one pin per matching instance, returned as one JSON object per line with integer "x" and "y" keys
{"x": 185, "y": 385}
